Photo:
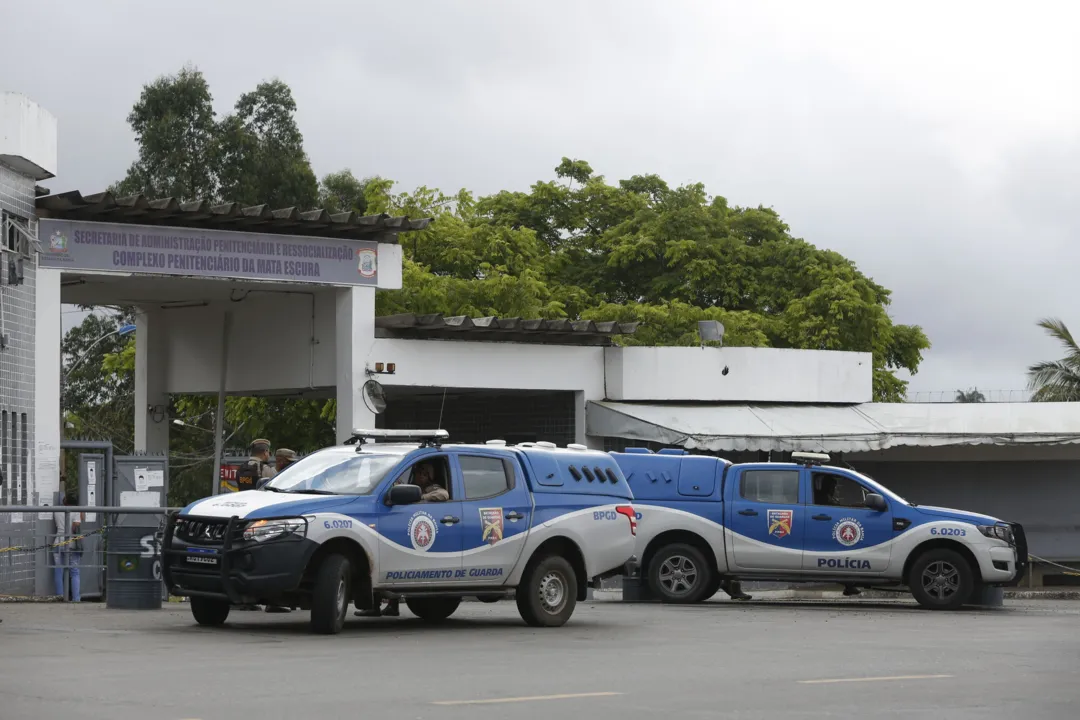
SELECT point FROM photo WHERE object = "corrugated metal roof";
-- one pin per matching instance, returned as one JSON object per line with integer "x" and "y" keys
{"x": 140, "y": 210}
{"x": 837, "y": 428}
{"x": 462, "y": 327}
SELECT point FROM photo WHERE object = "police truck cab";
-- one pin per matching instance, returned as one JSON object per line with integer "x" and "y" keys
{"x": 702, "y": 519}
{"x": 347, "y": 525}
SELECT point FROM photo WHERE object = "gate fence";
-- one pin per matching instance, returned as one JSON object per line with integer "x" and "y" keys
{"x": 30, "y": 553}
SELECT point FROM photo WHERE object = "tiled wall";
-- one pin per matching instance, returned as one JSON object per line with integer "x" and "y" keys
{"x": 17, "y": 443}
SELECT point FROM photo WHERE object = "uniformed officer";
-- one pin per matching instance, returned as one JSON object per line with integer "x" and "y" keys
{"x": 258, "y": 468}
{"x": 423, "y": 475}
{"x": 284, "y": 457}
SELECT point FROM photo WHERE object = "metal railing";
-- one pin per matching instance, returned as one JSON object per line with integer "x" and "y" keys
{"x": 954, "y": 396}
{"x": 37, "y": 561}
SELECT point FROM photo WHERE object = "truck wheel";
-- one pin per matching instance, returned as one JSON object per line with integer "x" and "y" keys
{"x": 941, "y": 579}
{"x": 548, "y": 593}
{"x": 209, "y": 612}
{"x": 434, "y": 609}
{"x": 330, "y": 599}
{"x": 680, "y": 573}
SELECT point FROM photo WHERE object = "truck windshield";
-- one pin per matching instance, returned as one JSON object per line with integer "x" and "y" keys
{"x": 334, "y": 473}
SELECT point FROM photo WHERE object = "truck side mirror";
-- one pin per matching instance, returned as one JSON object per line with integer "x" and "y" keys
{"x": 404, "y": 495}
{"x": 876, "y": 502}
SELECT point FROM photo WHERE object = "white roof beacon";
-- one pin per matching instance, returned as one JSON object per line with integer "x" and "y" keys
{"x": 426, "y": 437}
{"x": 809, "y": 458}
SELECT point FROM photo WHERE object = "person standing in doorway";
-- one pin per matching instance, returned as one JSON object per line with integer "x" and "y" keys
{"x": 68, "y": 551}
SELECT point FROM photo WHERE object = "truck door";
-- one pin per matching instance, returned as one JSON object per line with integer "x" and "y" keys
{"x": 496, "y": 511}
{"x": 420, "y": 544}
{"x": 843, "y": 536}
{"x": 765, "y": 519}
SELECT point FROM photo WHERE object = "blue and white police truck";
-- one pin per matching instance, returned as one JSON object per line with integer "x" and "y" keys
{"x": 345, "y": 525}
{"x": 702, "y": 519}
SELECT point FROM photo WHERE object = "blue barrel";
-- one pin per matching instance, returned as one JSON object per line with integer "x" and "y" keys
{"x": 133, "y": 568}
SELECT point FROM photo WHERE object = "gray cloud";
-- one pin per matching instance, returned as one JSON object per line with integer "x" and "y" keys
{"x": 937, "y": 148}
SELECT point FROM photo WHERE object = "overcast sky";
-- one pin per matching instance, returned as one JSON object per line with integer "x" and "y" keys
{"x": 936, "y": 144}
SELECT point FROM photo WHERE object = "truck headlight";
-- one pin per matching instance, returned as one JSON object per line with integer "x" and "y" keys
{"x": 261, "y": 530}
{"x": 999, "y": 532}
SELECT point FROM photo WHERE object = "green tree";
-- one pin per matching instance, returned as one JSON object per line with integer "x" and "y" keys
{"x": 971, "y": 396}
{"x": 261, "y": 152}
{"x": 177, "y": 134}
{"x": 1057, "y": 380}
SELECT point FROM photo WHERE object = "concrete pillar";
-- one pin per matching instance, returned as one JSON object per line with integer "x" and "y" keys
{"x": 354, "y": 337}
{"x": 47, "y": 371}
{"x": 151, "y": 400}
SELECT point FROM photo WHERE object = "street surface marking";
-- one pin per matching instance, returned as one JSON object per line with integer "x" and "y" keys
{"x": 524, "y": 699}
{"x": 874, "y": 679}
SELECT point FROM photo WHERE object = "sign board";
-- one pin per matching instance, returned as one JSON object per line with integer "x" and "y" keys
{"x": 228, "y": 478}
{"x": 78, "y": 245}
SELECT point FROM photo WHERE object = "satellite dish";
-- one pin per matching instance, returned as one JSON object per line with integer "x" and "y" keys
{"x": 374, "y": 396}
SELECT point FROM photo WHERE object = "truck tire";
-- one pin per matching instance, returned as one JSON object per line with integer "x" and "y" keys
{"x": 433, "y": 609}
{"x": 210, "y": 612}
{"x": 548, "y": 593}
{"x": 330, "y": 599}
{"x": 941, "y": 579}
{"x": 679, "y": 573}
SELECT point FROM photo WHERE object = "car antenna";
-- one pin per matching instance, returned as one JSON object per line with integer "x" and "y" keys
{"x": 441, "y": 408}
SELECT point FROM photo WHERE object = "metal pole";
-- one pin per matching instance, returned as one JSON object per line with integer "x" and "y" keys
{"x": 219, "y": 419}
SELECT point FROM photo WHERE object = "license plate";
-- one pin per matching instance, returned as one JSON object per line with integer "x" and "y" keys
{"x": 205, "y": 557}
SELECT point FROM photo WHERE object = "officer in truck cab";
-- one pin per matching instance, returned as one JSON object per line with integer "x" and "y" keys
{"x": 423, "y": 476}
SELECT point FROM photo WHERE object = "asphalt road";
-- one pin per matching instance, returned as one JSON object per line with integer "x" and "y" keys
{"x": 722, "y": 659}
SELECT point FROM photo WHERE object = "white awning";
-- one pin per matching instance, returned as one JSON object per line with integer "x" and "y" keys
{"x": 836, "y": 428}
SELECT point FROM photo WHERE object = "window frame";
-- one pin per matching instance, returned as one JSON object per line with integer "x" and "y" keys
{"x": 407, "y": 471}
{"x": 508, "y": 473}
{"x": 866, "y": 490}
{"x": 798, "y": 485}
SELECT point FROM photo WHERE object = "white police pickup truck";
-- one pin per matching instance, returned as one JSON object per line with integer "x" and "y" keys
{"x": 702, "y": 519}
{"x": 345, "y": 525}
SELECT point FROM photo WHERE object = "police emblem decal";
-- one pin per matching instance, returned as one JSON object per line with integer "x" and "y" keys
{"x": 367, "y": 262}
{"x": 848, "y": 532}
{"x": 780, "y": 522}
{"x": 422, "y": 531}
{"x": 491, "y": 523}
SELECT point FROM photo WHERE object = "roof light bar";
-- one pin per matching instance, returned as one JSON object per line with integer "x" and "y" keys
{"x": 809, "y": 458}
{"x": 433, "y": 437}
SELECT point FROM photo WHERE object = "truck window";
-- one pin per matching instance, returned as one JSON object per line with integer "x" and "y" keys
{"x": 776, "y": 487}
{"x": 838, "y": 491}
{"x": 485, "y": 477}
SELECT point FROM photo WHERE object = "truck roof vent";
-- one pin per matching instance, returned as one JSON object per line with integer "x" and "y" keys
{"x": 546, "y": 444}
{"x": 576, "y": 446}
{"x": 496, "y": 442}
{"x": 611, "y": 476}
{"x": 588, "y": 473}
{"x": 574, "y": 472}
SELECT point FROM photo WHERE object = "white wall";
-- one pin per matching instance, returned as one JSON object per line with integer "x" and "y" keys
{"x": 447, "y": 363}
{"x": 270, "y": 347}
{"x": 271, "y": 350}
{"x": 27, "y": 136}
{"x": 675, "y": 374}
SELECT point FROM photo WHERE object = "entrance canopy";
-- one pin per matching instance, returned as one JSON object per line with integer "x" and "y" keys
{"x": 836, "y": 428}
